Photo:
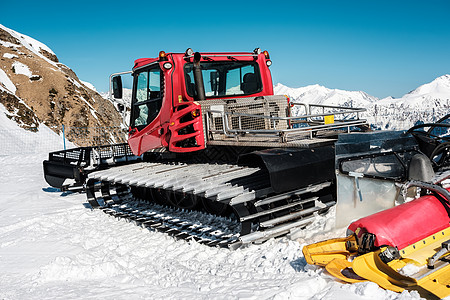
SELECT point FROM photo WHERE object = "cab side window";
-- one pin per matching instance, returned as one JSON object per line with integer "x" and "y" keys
{"x": 148, "y": 97}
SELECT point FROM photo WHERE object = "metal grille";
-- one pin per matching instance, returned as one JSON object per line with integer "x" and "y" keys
{"x": 71, "y": 155}
{"x": 246, "y": 114}
{"x": 272, "y": 119}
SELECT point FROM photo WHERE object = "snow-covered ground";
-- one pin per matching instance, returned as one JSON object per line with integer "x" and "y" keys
{"x": 54, "y": 246}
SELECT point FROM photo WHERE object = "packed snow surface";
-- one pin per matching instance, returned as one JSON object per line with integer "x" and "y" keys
{"x": 54, "y": 246}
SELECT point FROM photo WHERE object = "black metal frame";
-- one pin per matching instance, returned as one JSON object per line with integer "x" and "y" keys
{"x": 76, "y": 163}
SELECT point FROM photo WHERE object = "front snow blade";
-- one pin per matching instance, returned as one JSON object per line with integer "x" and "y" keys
{"x": 69, "y": 168}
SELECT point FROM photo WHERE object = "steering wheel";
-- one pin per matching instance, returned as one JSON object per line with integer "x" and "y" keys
{"x": 436, "y": 147}
{"x": 440, "y": 157}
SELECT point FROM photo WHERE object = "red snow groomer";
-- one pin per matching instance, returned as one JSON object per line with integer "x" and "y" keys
{"x": 407, "y": 246}
{"x": 213, "y": 155}
{"x": 206, "y": 133}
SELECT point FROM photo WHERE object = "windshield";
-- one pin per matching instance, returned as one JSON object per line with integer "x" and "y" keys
{"x": 229, "y": 78}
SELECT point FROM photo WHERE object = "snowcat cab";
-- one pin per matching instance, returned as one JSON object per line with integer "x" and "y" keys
{"x": 164, "y": 107}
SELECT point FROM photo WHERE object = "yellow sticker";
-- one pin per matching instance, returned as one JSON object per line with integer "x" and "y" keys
{"x": 328, "y": 119}
{"x": 180, "y": 99}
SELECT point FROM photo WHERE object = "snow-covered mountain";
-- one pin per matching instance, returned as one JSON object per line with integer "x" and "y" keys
{"x": 427, "y": 103}
{"x": 36, "y": 89}
{"x": 317, "y": 94}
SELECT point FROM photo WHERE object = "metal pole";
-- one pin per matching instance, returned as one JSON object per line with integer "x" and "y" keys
{"x": 64, "y": 137}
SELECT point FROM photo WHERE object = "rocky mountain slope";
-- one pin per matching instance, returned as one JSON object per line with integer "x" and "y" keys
{"x": 36, "y": 89}
{"x": 427, "y": 103}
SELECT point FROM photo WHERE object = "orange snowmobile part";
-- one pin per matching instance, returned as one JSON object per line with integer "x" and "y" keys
{"x": 322, "y": 253}
{"x": 411, "y": 234}
{"x": 343, "y": 270}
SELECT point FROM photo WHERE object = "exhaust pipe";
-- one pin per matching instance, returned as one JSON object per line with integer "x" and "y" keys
{"x": 198, "y": 77}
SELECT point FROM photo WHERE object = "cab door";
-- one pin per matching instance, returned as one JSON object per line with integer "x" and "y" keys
{"x": 146, "y": 104}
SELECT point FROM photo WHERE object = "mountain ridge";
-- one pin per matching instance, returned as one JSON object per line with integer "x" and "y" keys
{"x": 36, "y": 89}
{"x": 427, "y": 103}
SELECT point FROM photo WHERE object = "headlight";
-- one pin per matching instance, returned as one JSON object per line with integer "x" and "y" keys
{"x": 268, "y": 63}
{"x": 167, "y": 65}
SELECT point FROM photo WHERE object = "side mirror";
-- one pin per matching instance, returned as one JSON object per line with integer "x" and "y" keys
{"x": 117, "y": 87}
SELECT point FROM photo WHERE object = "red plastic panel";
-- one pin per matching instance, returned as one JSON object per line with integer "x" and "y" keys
{"x": 405, "y": 224}
{"x": 195, "y": 125}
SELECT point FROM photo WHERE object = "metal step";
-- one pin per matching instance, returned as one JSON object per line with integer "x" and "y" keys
{"x": 279, "y": 208}
{"x": 261, "y": 236}
{"x": 309, "y": 189}
{"x": 319, "y": 206}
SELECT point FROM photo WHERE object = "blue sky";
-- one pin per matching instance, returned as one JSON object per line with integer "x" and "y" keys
{"x": 385, "y": 48}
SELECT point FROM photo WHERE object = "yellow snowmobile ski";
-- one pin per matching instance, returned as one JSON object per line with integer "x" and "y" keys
{"x": 371, "y": 267}
{"x": 343, "y": 270}
{"x": 333, "y": 255}
{"x": 322, "y": 253}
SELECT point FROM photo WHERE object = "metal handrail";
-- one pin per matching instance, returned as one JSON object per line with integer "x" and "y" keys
{"x": 229, "y": 132}
{"x": 356, "y": 109}
{"x": 282, "y": 118}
